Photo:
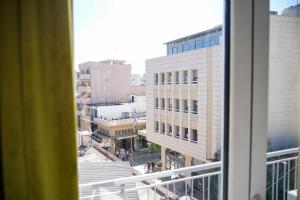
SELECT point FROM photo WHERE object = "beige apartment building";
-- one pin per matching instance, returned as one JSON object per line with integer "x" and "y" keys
{"x": 184, "y": 93}
{"x": 104, "y": 82}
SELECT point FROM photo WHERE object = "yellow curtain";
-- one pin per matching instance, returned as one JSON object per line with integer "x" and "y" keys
{"x": 38, "y": 152}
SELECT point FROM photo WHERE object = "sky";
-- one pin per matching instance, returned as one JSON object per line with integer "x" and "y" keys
{"x": 136, "y": 30}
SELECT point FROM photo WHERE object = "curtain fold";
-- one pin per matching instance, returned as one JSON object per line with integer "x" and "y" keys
{"x": 38, "y": 145}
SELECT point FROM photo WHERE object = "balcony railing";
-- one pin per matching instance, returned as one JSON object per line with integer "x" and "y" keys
{"x": 84, "y": 89}
{"x": 119, "y": 122}
{"x": 84, "y": 76}
{"x": 196, "y": 182}
{"x": 84, "y": 100}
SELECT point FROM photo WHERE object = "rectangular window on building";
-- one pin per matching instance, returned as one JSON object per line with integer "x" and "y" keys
{"x": 169, "y": 104}
{"x": 156, "y": 126}
{"x": 205, "y": 42}
{"x": 186, "y": 47}
{"x": 177, "y": 133}
{"x": 155, "y": 79}
{"x": 162, "y": 128}
{"x": 169, "y": 133}
{"x": 169, "y": 77}
{"x": 169, "y": 51}
{"x": 185, "y": 77}
{"x": 162, "y": 103}
{"x": 174, "y": 50}
{"x": 192, "y": 45}
{"x": 194, "y": 106}
{"x": 185, "y": 132}
{"x": 179, "y": 48}
{"x": 194, "y": 137}
{"x": 162, "y": 78}
{"x": 177, "y": 77}
{"x": 199, "y": 44}
{"x": 177, "y": 105}
{"x": 185, "y": 105}
{"x": 156, "y": 103}
{"x": 194, "y": 76}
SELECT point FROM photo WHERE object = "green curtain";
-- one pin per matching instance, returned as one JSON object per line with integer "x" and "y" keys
{"x": 38, "y": 146}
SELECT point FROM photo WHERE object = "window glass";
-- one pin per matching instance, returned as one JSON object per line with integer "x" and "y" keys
{"x": 169, "y": 104}
{"x": 185, "y": 105}
{"x": 179, "y": 48}
{"x": 156, "y": 79}
{"x": 185, "y": 133}
{"x": 177, "y": 77}
{"x": 169, "y": 77}
{"x": 174, "y": 50}
{"x": 194, "y": 106}
{"x": 186, "y": 47}
{"x": 177, "y": 105}
{"x": 185, "y": 76}
{"x": 194, "y": 75}
{"x": 162, "y": 128}
{"x": 177, "y": 133}
{"x": 156, "y": 102}
{"x": 162, "y": 78}
{"x": 162, "y": 103}
{"x": 283, "y": 98}
{"x": 194, "y": 136}
{"x": 155, "y": 61}
{"x": 156, "y": 126}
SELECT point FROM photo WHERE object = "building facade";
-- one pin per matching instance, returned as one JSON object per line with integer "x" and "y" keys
{"x": 104, "y": 82}
{"x": 184, "y": 92}
{"x": 283, "y": 79}
{"x": 137, "y": 79}
{"x": 184, "y": 99}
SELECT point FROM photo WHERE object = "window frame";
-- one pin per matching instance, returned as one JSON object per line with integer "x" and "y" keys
{"x": 245, "y": 101}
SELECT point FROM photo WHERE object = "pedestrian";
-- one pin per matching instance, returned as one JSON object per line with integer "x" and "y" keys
{"x": 153, "y": 165}
{"x": 148, "y": 166}
{"x": 127, "y": 155}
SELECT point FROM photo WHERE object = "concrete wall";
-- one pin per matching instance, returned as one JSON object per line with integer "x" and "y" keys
{"x": 284, "y": 77}
{"x": 115, "y": 111}
{"x": 110, "y": 81}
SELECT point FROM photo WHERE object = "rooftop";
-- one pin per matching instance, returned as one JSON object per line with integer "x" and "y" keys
{"x": 194, "y": 35}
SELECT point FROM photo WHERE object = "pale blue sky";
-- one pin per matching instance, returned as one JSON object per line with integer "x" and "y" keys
{"x": 135, "y": 30}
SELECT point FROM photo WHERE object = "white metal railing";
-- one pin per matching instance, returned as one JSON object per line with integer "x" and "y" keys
{"x": 197, "y": 182}
{"x": 281, "y": 173}
{"x": 119, "y": 122}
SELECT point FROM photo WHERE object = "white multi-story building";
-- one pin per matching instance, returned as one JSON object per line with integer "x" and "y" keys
{"x": 184, "y": 97}
{"x": 184, "y": 92}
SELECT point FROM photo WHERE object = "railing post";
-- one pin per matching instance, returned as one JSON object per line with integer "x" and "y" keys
{"x": 123, "y": 192}
{"x": 220, "y": 187}
{"x": 284, "y": 180}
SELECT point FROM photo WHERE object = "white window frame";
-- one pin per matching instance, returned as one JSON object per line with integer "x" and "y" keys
{"x": 249, "y": 35}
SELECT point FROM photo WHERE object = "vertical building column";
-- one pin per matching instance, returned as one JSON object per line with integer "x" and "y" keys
{"x": 188, "y": 163}
{"x": 189, "y": 104}
{"x": 188, "y": 160}
{"x": 163, "y": 157}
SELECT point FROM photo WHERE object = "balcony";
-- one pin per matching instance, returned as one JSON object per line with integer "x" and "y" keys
{"x": 84, "y": 89}
{"x": 84, "y": 100}
{"x": 119, "y": 122}
{"x": 84, "y": 76}
{"x": 197, "y": 182}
